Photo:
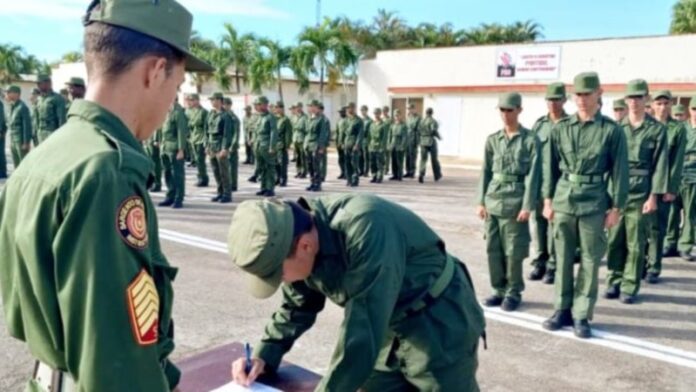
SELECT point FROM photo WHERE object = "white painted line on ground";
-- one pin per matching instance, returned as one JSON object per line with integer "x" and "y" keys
{"x": 520, "y": 319}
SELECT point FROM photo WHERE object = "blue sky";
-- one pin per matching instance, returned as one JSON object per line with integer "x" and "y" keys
{"x": 49, "y": 28}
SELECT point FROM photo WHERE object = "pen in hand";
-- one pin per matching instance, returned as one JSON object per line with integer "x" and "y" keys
{"x": 247, "y": 353}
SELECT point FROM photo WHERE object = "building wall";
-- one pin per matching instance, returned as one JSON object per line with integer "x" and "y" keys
{"x": 460, "y": 84}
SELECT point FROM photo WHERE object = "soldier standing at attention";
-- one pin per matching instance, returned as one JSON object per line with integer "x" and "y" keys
{"x": 620, "y": 109}
{"x": 676, "y": 142}
{"x": 33, "y": 104}
{"x": 545, "y": 260}
{"x": 265, "y": 140}
{"x": 198, "y": 121}
{"x": 583, "y": 151}
{"x": 397, "y": 145}
{"x": 340, "y": 149}
{"x": 18, "y": 125}
{"x": 648, "y": 172}
{"x": 378, "y": 134}
{"x": 365, "y": 151}
{"x": 234, "y": 146}
{"x": 248, "y": 136}
{"x": 78, "y": 229}
{"x": 411, "y": 322}
{"x": 353, "y": 133}
{"x": 153, "y": 150}
{"x": 255, "y": 117}
{"x": 50, "y": 109}
{"x": 507, "y": 195}
{"x": 412, "y": 140}
{"x": 218, "y": 146}
{"x": 299, "y": 132}
{"x": 386, "y": 117}
{"x": 283, "y": 144}
{"x": 428, "y": 135}
{"x": 76, "y": 89}
{"x": 316, "y": 142}
{"x": 174, "y": 139}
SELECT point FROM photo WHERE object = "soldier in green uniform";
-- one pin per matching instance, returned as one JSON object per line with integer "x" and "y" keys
{"x": 299, "y": 132}
{"x": 427, "y": 135}
{"x": 340, "y": 134}
{"x": 3, "y": 136}
{"x": 255, "y": 117}
{"x": 174, "y": 139}
{"x": 50, "y": 109}
{"x": 265, "y": 148}
{"x": 648, "y": 173}
{"x": 77, "y": 89}
{"x": 544, "y": 264}
{"x": 620, "y": 109}
{"x": 234, "y": 146}
{"x": 507, "y": 194}
{"x": 386, "y": 117}
{"x": 685, "y": 204}
{"x": 18, "y": 125}
{"x": 413, "y": 122}
{"x": 248, "y": 136}
{"x": 583, "y": 151}
{"x": 316, "y": 142}
{"x": 378, "y": 133}
{"x": 283, "y": 143}
{"x": 398, "y": 134}
{"x": 679, "y": 112}
{"x": 353, "y": 133}
{"x": 676, "y": 142}
{"x": 83, "y": 278}
{"x": 218, "y": 145}
{"x": 365, "y": 151}
{"x": 198, "y": 122}
{"x": 411, "y": 318}
{"x": 33, "y": 104}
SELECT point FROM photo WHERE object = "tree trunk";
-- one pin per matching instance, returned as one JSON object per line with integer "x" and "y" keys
{"x": 236, "y": 79}
{"x": 321, "y": 83}
{"x": 280, "y": 86}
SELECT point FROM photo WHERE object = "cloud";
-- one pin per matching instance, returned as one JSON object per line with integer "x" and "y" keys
{"x": 74, "y": 9}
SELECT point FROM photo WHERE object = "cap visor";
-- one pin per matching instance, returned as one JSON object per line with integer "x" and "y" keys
{"x": 194, "y": 64}
{"x": 265, "y": 287}
{"x": 555, "y": 97}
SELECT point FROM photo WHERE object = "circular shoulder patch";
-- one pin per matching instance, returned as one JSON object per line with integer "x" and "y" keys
{"x": 131, "y": 222}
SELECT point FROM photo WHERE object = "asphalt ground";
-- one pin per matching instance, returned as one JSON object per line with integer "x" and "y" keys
{"x": 648, "y": 346}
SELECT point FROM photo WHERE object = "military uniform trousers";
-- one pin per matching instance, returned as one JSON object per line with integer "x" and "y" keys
{"x": 315, "y": 161}
{"x": 221, "y": 171}
{"x": 341, "y": 160}
{"x": 397, "y": 164}
{"x": 154, "y": 153}
{"x": 266, "y": 166}
{"x": 365, "y": 161}
{"x": 3, "y": 159}
{"x": 18, "y": 153}
{"x": 656, "y": 239}
{"x": 507, "y": 245}
{"x": 352, "y": 165}
{"x": 387, "y": 161}
{"x": 544, "y": 239}
{"x": 684, "y": 210}
{"x": 201, "y": 166}
{"x": 324, "y": 165}
{"x": 377, "y": 164}
{"x": 434, "y": 160}
{"x": 411, "y": 156}
{"x": 282, "y": 166}
{"x": 174, "y": 176}
{"x": 248, "y": 154}
{"x": 570, "y": 231}
{"x": 626, "y": 249}
{"x": 429, "y": 354}
{"x": 233, "y": 159}
{"x": 300, "y": 159}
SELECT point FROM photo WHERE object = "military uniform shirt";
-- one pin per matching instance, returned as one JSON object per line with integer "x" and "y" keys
{"x": 353, "y": 132}
{"x": 689, "y": 171}
{"x": 19, "y": 122}
{"x": 198, "y": 120}
{"x": 219, "y": 131}
{"x": 378, "y": 136}
{"x": 50, "y": 112}
{"x": 318, "y": 133}
{"x": 175, "y": 130}
{"x": 428, "y": 130}
{"x": 676, "y": 143}
{"x": 647, "y": 159}
{"x": 299, "y": 128}
{"x": 284, "y": 133}
{"x": 397, "y": 136}
{"x": 266, "y": 135}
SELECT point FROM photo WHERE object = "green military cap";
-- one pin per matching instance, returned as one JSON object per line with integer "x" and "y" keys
{"x": 315, "y": 103}
{"x": 679, "y": 109}
{"x": 217, "y": 95}
{"x": 299, "y": 105}
{"x": 555, "y": 91}
{"x": 692, "y": 103}
{"x": 586, "y": 82}
{"x": 377, "y": 111}
{"x": 259, "y": 240}
{"x": 194, "y": 96}
{"x": 510, "y": 101}
{"x": 165, "y": 20}
{"x": 364, "y": 107}
{"x": 76, "y": 82}
{"x": 43, "y": 78}
{"x": 261, "y": 100}
{"x": 14, "y": 89}
{"x": 351, "y": 105}
{"x": 280, "y": 104}
{"x": 619, "y": 104}
{"x": 227, "y": 101}
{"x": 637, "y": 87}
{"x": 663, "y": 94}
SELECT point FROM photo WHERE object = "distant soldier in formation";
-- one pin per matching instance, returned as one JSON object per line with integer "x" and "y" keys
{"x": 620, "y": 109}
{"x": 174, "y": 139}
{"x": 679, "y": 112}
{"x": 233, "y": 156}
{"x": 412, "y": 140}
{"x": 283, "y": 144}
{"x": 428, "y": 135}
{"x": 299, "y": 132}
{"x": 33, "y": 105}
{"x": 316, "y": 142}
{"x": 153, "y": 150}
{"x": 198, "y": 123}
{"x": 397, "y": 145}
{"x": 365, "y": 151}
{"x": 386, "y": 117}
{"x": 254, "y": 122}
{"x": 378, "y": 134}
{"x": 265, "y": 148}
{"x": 339, "y": 134}
{"x": 77, "y": 89}
{"x": 353, "y": 133}
{"x": 50, "y": 109}
{"x": 220, "y": 129}
{"x": 19, "y": 126}
{"x": 248, "y": 136}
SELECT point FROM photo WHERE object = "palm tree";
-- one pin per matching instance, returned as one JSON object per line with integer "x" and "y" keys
{"x": 11, "y": 63}
{"x": 221, "y": 60}
{"x": 683, "y": 17}
{"x": 389, "y": 30}
{"x": 496, "y": 33}
{"x": 203, "y": 49}
{"x": 323, "y": 50}
{"x": 72, "y": 57}
{"x": 267, "y": 67}
{"x": 242, "y": 50}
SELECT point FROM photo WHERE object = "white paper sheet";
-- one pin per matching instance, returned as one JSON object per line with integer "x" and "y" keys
{"x": 255, "y": 387}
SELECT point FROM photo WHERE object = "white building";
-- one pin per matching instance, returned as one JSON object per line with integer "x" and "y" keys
{"x": 462, "y": 84}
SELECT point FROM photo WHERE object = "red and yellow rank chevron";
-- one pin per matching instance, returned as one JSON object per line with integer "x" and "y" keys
{"x": 143, "y": 306}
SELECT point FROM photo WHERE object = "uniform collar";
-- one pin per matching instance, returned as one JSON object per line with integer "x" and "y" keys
{"x": 520, "y": 132}
{"x": 105, "y": 120}
{"x": 574, "y": 119}
{"x": 328, "y": 243}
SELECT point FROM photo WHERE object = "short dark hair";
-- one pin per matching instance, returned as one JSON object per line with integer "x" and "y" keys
{"x": 302, "y": 223}
{"x": 113, "y": 49}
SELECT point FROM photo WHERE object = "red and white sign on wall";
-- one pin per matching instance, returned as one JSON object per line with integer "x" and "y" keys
{"x": 528, "y": 63}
